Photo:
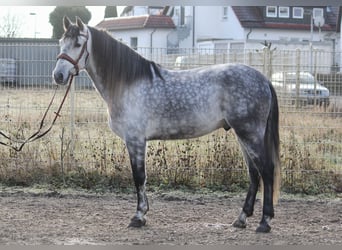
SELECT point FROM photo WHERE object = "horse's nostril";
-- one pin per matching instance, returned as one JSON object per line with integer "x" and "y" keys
{"x": 59, "y": 77}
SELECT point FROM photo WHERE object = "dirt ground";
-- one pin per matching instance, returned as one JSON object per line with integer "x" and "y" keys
{"x": 35, "y": 217}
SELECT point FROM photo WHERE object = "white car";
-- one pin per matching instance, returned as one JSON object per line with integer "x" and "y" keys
{"x": 307, "y": 91}
{"x": 182, "y": 62}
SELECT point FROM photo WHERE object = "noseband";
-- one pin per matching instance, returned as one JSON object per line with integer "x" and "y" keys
{"x": 75, "y": 62}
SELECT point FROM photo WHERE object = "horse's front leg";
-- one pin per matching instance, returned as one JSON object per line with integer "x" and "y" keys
{"x": 136, "y": 149}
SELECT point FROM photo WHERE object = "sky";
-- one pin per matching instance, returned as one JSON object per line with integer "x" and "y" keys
{"x": 35, "y": 19}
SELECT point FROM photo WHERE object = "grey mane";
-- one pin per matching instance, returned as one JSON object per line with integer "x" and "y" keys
{"x": 117, "y": 63}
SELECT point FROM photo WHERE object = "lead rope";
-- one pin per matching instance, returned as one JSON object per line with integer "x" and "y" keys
{"x": 39, "y": 134}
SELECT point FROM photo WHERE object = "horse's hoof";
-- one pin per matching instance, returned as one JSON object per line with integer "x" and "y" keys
{"x": 263, "y": 228}
{"x": 239, "y": 224}
{"x": 137, "y": 223}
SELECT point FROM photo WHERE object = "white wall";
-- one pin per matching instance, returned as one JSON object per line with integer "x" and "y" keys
{"x": 235, "y": 29}
{"x": 159, "y": 37}
{"x": 209, "y": 23}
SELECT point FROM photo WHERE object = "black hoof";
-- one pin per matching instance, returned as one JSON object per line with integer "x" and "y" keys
{"x": 263, "y": 228}
{"x": 135, "y": 222}
{"x": 239, "y": 224}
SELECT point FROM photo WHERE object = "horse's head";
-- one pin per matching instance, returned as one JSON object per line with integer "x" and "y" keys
{"x": 73, "y": 51}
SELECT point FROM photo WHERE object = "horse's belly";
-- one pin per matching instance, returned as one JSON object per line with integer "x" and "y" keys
{"x": 180, "y": 129}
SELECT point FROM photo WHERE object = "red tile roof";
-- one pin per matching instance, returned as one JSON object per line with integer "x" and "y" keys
{"x": 137, "y": 22}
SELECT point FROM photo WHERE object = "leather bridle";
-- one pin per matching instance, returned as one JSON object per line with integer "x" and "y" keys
{"x": 75, "y": 62}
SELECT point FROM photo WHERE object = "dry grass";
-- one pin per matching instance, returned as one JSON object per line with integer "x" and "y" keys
{"x": 90, "y": 156}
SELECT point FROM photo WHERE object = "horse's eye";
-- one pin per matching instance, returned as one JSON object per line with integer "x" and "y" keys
{"x": 77, "y": 45}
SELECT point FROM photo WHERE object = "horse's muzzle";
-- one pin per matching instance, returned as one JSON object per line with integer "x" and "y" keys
{"x": 60, "y": 78}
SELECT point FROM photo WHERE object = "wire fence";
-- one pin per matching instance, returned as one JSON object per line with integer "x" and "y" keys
{"x": 81, "y": 148}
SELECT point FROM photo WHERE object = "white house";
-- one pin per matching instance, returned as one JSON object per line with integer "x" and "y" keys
{"x": 214, "y": 26}
{"x": 247, "y": 26}
{"x": 141, "y": 31}
{"x": 225, "y": 27}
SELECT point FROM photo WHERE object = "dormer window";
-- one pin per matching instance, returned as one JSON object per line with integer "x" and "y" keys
{"x": 284, "y": 12}
{"x": 271, "y": 11}
{"x": 298, "y": 12}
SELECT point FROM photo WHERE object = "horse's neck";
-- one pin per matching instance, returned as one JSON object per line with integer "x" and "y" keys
{"x": 97, "y": 80}
{"x": 91, "y": 66}
{"x": 106, "y": 90}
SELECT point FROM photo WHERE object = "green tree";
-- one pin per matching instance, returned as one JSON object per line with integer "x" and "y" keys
{"x": 111, "y": 11}
{"x": 56, "y": 18}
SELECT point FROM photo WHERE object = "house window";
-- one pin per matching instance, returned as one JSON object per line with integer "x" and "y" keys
{"x": 284, "y": 12}
{"x": 134, "y": 43}
{"x": 271, "y": 11}
{"x": 225, "y": 13}
{"x": 297, "y": 12}
{"x": 317, "y": 12}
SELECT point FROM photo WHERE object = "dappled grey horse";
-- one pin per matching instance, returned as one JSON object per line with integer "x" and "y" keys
{"x": 148, "y": 102}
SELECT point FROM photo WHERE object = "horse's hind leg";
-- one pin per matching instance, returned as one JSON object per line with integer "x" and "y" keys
{"x": 267, "y": 174}
{"x": 136, "y": 149}
{"x": 248, "y": 206}
{"x": 259, "y": 165}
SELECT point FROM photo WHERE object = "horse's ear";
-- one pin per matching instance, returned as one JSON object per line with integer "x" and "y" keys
{"x": 79, "y": 23}
{"x": 66, "y": 22}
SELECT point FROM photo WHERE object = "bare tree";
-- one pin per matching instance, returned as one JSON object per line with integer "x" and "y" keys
{"x": 10, "y": 25}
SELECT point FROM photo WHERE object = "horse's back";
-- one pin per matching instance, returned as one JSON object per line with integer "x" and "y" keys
{"x": 234, "y": 77}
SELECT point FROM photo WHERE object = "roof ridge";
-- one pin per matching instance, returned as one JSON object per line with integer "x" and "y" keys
{"x": 137, "y": 22}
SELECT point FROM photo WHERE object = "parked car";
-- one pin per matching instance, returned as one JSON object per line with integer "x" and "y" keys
{"x": 182, "y": 62}
{"x": 8, "y": 71}
{"x": 307, "y": 91}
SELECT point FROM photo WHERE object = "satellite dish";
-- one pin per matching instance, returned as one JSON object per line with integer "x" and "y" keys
{"x": 319, "y": 21}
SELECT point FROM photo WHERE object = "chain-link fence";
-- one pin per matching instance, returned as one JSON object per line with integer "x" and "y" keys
{"x": 81, "y": 149}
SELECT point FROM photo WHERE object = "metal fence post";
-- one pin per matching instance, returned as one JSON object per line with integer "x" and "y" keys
{"x": 297, "y": 76}
{"x": 249, "y": 58}
{"x": 315, "y": 75}
{"x": 265, "y": 61}
{"x": 72, "y": 115}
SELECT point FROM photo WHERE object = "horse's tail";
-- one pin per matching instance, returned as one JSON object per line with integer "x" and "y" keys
{"x": 272, "y": 143}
